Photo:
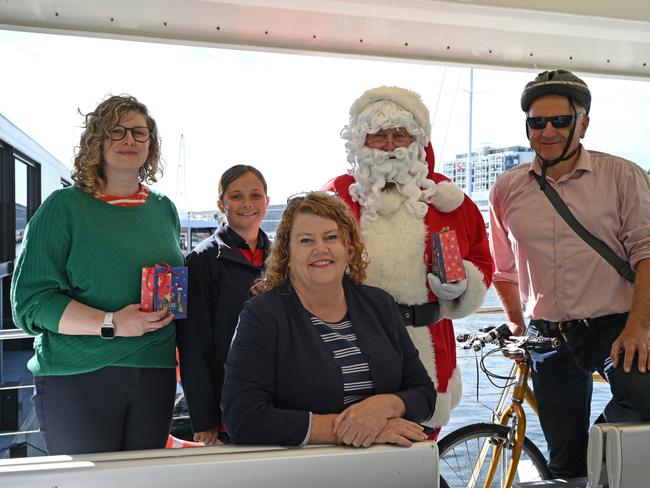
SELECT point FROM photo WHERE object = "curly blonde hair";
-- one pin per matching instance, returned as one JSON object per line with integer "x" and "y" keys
{"x": 88, "y": 172}
{"x": 327, "y": 206}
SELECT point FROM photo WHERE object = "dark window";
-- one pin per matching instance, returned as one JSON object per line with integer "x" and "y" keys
{"x": 20, "y": 195}
{"x": 20, "y": 192}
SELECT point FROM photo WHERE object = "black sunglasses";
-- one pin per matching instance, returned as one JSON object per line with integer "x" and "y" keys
{"x": 557, "y": 121}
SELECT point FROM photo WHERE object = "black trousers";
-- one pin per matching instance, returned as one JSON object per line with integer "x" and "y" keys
{"x": 112, "y": 409}
{"x": 562, "y": 382}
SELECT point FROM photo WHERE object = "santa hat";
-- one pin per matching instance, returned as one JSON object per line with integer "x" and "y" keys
{"x": 407, "y": 99}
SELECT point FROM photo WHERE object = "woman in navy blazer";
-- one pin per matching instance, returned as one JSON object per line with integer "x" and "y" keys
{"x": 286, "y": 377}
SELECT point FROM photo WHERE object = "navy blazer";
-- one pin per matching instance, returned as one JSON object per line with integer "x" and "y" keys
{"x": 278, "y": 368}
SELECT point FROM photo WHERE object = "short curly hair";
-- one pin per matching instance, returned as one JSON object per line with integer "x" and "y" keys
{"x": 88, "y": 172}
{"x": 324, "y": 205}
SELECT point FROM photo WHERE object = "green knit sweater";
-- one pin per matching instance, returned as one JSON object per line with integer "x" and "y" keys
{"x": 78, "y": 247}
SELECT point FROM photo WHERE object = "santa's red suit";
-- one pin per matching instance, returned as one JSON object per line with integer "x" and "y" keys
{"x": 400, "y": 256}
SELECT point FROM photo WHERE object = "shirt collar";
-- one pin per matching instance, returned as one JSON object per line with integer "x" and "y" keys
{"x": 583, "y": 164}
{"x": 240, "y": 242}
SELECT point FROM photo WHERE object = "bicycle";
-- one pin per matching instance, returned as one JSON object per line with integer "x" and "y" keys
{"x": 496, "y": 454}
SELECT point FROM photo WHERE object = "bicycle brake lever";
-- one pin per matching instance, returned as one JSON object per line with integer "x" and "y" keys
{"x": 515, "y": 350}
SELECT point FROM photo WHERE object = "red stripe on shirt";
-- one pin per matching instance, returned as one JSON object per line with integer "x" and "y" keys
{"x": 134, "y": 200}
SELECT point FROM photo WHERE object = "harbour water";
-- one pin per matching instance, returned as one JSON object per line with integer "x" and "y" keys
{"x": 470, "y": 410}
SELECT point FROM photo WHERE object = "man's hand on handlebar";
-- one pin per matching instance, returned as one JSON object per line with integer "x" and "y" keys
{"x": 516, "y": 329}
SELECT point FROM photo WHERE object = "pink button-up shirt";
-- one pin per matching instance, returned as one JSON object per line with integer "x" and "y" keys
{"x": 560, "y": 276}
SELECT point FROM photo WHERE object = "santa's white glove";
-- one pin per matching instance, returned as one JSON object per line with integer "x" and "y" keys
{"x": 446, "y": 291}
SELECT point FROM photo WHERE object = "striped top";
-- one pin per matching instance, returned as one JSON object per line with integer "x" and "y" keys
{"x": 131, "y": 201}
{"x": 342, "y": 340}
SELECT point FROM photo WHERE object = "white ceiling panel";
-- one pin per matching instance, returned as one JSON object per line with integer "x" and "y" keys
{"x": 597, "y": 36}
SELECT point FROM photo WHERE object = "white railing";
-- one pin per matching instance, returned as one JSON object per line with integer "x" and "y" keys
{"x": 241, "y": 466}
{"x": 8, "y": 334}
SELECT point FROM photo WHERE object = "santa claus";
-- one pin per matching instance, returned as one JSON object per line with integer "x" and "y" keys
{"x": 400, "y": 202}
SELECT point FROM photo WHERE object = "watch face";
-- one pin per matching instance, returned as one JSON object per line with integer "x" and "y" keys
{"x": 108, "y": 332}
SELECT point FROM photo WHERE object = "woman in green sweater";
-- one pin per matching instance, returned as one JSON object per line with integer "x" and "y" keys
{"x": 104, "y": 371}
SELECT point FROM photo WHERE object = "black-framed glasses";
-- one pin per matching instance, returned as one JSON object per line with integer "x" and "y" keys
{"x": 140, "y": 134}
{"x": 400, "y": 137}
{"x": 557, "y": 121}
{"x": 307, "y": 194}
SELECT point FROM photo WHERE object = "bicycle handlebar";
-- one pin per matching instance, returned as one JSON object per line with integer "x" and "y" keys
{"x": 551, "y": 342}
{"x": 501, "y": 335}
{"x": 479, "y": 340}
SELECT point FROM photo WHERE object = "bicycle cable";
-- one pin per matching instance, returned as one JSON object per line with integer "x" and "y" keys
{"x": 481, "y": 364}
{"x": 489, "y": 374}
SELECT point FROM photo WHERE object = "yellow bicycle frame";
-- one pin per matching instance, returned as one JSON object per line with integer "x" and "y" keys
{"x": 514, "y": 412}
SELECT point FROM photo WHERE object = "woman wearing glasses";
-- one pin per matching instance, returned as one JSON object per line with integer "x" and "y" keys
{"x": 222, "y": 270}
{"x": 103, "y": 370}
{"x": 318, "y": 357}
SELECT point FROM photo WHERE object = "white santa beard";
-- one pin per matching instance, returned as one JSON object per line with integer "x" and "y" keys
{"x": 374, "y": 168}
{"x": 395, "y": 246}
{"x": 390, "y": 201}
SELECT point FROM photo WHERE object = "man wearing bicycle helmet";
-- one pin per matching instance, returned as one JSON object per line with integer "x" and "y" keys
{"x": 566, "y": 288}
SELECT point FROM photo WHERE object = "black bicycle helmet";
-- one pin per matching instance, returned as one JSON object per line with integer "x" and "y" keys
{"x": 557, "y": 82}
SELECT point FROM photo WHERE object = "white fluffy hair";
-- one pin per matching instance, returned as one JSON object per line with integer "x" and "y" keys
{"x": 373, "y": 168}
{"x": 384, "y": 114}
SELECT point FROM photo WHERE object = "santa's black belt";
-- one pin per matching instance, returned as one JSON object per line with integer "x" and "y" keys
{"x": 420, "y": 315}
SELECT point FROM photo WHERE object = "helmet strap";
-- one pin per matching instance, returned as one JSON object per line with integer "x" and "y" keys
{"x": 547, "y": 163}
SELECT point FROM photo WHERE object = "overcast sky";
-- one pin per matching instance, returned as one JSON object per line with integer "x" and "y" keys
{"x": 279, "y": 112}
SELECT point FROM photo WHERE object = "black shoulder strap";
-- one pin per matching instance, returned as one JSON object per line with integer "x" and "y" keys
{"x": 622, "y": 267}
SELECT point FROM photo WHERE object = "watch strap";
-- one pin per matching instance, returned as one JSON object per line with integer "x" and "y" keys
{"x": 108, "y": 320}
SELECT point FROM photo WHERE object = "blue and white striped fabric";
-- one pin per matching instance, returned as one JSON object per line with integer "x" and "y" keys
{"x": 341, "y": 339}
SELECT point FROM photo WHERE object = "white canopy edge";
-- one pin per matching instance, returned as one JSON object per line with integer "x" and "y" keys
{"x": 587, "y": 36}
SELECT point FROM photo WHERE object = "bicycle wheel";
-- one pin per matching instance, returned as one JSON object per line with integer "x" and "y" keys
{"x": 460, "y": 454}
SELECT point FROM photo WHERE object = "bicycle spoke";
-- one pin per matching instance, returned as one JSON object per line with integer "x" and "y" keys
{"x": 463, "y": 466}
